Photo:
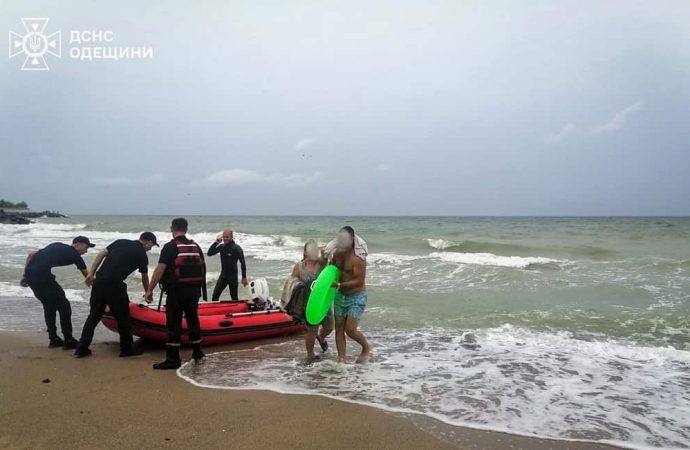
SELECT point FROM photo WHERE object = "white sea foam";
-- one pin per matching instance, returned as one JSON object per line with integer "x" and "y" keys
{"x": 489, "y": 259}
{"x": 511, "y": 379}
{"x": 263, "y": 247}
{"x": 16, "y": 291}
{"x": 34, "y": 236}
{"x": 41, "y": 227}
{"x": 441, "y": 244}
{"x": 392, "y": 259}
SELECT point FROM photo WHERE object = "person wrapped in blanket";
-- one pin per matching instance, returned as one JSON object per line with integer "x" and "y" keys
{"x": 296, "y": 293}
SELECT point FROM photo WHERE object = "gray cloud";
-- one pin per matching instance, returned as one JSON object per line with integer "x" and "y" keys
{"x": 305, "y": 143}
{"x": 240, "y": 177}
{"x": 465, "y": 104}
{"x": 561, "y": 135}
{"x": 127, "y": 181}
{"x": 618, "y": 121}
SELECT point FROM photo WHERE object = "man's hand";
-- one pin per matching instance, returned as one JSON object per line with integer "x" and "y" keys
{"x": 88, "y": 280}
{"x": 148, "y": 296}
{"x": 245, "y": 282}
{"x": 23, "y": 282}
{"x": 219, "y": 239}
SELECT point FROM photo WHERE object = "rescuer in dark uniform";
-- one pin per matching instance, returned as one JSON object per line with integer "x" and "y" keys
{"x": 182, "y": 272}
{"x": 108, "y": 273}
{"x": 38, "y": 276}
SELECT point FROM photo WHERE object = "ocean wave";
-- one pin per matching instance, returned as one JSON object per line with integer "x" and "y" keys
{"x": 554, "y": 385}
{"x": 16, "y": 291}
{"x": 441, "y": 244}
{"x": 38, "y": 227}
{"x": 469, "y": 246}
{"x": 488, "y": 259}
{"x": 482, "y": 247}
{"x": 392, "y": 258}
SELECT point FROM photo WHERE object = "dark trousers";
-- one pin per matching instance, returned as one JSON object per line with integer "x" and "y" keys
{"x": 183, "y": 300}
{"x": 52, "y": 297}
{"x": 223, "y": 282}
{"x": 114, "y": 296}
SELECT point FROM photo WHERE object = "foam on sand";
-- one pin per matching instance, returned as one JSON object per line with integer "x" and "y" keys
{"x": 540, "y": 384}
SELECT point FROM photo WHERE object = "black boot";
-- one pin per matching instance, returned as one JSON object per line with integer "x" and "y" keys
{"x": 56, "y": 341}
{"x": 197, "y": 354}
{"x": 82, "y": 352}
{"x": 127, "y": 348}
{"x": 131, "y": 351}
{"x": 172, "y": 358}
{"x": 70, "y": 343}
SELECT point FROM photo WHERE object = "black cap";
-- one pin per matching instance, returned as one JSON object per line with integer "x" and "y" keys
{"x": 148, "y": 236}
{"x": 83, "y": 240}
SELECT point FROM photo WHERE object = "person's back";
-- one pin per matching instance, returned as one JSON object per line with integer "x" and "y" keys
{"x": 185, "y": 264}
{"x": 124, "y": 256}
{"x": 182, "y": 268}
{"x": 56, "y": 254}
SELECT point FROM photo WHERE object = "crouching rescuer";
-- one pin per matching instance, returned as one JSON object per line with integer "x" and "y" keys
{"x": 181, "y": 271}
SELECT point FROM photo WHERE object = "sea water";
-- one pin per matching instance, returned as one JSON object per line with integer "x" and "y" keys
{"x": 568, "y": 328}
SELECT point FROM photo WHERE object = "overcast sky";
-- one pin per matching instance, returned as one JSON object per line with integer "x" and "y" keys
{"x": 355, "y": 108}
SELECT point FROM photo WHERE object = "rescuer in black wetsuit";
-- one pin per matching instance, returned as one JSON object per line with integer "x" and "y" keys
{"x": 230, "y": 254}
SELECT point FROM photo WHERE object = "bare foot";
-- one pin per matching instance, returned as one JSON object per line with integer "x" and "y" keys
{"x": 342, "y": 360}
{"x": 365, "y": 356}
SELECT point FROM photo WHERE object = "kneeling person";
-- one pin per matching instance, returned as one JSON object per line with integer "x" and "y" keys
{"x": 119, "y": 260}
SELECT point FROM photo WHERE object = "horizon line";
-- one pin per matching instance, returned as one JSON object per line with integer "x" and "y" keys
{"x": 398, "y": 215}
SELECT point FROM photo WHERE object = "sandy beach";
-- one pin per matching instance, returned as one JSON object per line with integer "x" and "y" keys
{"x": 50, "y": 400}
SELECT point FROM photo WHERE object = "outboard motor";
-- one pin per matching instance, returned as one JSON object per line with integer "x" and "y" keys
{"x": 259, "y": 294}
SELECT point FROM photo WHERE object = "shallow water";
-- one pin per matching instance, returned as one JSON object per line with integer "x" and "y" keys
{"x": 581, "y": 324}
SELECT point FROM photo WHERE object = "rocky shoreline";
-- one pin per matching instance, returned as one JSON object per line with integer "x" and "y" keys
{"x": 22, "y": 217}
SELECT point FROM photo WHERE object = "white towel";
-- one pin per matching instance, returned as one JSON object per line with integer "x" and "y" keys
{"x": 361, "y": 248}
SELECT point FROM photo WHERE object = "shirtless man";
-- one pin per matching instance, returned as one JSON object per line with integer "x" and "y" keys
{"x": 351, "y": 298}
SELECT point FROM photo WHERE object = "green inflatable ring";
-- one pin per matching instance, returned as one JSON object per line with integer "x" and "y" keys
{"x": 322, "y": 295}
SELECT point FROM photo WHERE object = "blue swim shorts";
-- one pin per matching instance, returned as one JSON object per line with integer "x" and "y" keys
{"x": 351, "y": 305}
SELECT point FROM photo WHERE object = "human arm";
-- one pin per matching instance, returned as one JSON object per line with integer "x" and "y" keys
{"x": 145, "y": 284}
{"x": 155, "y": 279}
{"x": 214, "y": 249}
{"x": 295, "y": 271}
{"x": 94, "y": 266}
{"x": 204, "y": 289}
{"x": 166, "y": 259}
{"x": 144, "y": 271}
{"x": 243, "y": 267}
{"x": 23, "y": 281}
{"x": 81, "y": 265}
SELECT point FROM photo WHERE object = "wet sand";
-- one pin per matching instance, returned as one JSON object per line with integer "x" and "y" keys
{"x": 48, "y": 399}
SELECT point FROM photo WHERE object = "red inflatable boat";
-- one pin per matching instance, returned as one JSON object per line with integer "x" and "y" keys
{"x": 221, "y": 322}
